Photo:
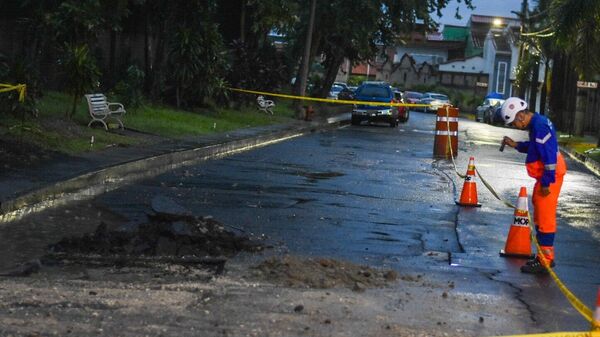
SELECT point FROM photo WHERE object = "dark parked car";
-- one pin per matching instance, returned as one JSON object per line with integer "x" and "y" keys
{"x": 335, "y": 90}
{"x": 375, "y": 92}
{"x": 486, "y": 112}
{"x": 412, "y": 97}
{"x": 346, "y": 94}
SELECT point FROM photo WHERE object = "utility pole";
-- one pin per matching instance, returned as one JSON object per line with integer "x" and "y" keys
{"x": 522, "y": 50}
{"x": 306, "y": 57}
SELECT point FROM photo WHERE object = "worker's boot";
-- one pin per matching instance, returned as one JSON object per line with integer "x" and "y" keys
{"x": 534, "y": 259}
{"x": 535, "y": 266}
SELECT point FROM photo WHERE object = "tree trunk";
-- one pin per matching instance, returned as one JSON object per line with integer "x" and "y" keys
{"x": 556, "y": 84}
{"x": 544, "y": 96}
{"x": 73, "y": 107}
{"x": 243, "y": 22}
{"x": 562, "y": 92}
{"x": 570, "y": 95}
{"x": 332, "y": 63}
{"x": 159, "y": 56}
{"x": 306, "y": 57}
{"x": 580, "y": 112}
{"x": 533, "y": 87}
{"x": 147, "y": 64}
{"x": 313, "y": 51}
{"x": 112, "y": 56}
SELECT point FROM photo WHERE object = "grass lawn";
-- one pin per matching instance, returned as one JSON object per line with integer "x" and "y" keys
{"x": 580, "y": 145}
{"x": 168, "y": 122}
{"x": 51, "y": 130}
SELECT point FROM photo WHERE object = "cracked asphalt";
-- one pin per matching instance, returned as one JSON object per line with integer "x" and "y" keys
{"x": 371, "y": 195}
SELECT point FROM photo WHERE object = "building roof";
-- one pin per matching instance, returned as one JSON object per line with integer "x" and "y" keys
{"x": 480, "y": 25}
{"x": 487, "y": 19}
{"x": 455, "y": 33}
{"x": 361, "y": 69}
{"x": 437, "y": 44}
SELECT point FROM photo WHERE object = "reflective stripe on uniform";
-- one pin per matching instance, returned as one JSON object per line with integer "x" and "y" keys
{"x": 543, "y": 140}
{"x": 550, "y": 167}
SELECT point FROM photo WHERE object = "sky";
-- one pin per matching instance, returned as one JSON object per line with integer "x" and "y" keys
{"x": 483, "y": 7}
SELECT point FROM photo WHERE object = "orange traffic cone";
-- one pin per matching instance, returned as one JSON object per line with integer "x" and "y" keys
{"x": 468, "y": 197}
{"x": 596, "y": 322}
{"x": 518, "y": 242}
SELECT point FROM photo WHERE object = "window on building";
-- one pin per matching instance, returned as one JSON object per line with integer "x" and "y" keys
{"x": 404, "y": 78}
{"x": 501, "y": 77}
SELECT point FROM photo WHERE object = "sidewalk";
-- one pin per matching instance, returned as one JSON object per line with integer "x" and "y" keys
{"x": 63, "y": 178}
{"x": 583, "y": 158}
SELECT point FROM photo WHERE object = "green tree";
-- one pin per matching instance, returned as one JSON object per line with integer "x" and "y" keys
{"x": 76, "y": 25}
{"x": 359, "y": 30}
{"x": 577, "y": 29}
{"x": 184, "y": 57}
{"x": 196, "y": 63}
{"x": 81, "y": 73}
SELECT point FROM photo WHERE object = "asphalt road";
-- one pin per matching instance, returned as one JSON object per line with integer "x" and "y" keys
{"x": 374, "y": 195}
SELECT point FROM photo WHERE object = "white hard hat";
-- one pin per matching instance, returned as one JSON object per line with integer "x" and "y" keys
{"x": 510, "y": 107}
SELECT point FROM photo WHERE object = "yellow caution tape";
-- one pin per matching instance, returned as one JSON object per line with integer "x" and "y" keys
{"x": 575, "y": 302}
{"x": 326, "y": 100}
{"x": 562, "y": 334}
{"x": 21, "y": 88}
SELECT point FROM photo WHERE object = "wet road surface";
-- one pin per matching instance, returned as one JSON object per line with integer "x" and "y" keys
{"x": 374, "y": 195}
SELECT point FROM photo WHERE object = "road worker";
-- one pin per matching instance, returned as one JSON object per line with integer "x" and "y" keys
{"x": 547, "y": 166}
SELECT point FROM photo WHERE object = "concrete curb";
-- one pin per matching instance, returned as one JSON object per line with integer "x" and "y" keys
{"x": 591, "y": 164}
{"x": 94, "y": 183}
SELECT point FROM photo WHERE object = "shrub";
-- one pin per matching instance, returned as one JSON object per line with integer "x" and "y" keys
{"x": 18, "y": 72}
{"x": 129, "y": 90}
{"x": 80, "y": 71}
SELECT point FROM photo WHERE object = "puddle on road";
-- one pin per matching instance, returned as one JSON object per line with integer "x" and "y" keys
{"x": 385, "y": 239}
{"x": 313, "y": 177}
{"x": 380, "y": 233}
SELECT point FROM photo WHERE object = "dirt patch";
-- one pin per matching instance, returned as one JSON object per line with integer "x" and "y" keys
{"x": 189, "y": 236}
{"x": 68, "y": 128}
{"x": 15, "y": 153}
{"x": 322, "y": 273}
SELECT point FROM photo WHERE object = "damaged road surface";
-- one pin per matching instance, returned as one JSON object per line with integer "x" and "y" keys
{"x": 344, "y": 233}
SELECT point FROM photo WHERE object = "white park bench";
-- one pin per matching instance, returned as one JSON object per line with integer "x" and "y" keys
{"x": 101, "y": 110}
{"x": 265, "y": 105}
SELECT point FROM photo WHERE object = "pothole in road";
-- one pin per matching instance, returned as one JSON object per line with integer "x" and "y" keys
{"x": 170, "y": 236}
{"x": 320, "y": 175}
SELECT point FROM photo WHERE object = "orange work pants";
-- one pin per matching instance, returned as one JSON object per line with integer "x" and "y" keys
{"x": 544, "y": 207}
{"x": 544, "y": 216}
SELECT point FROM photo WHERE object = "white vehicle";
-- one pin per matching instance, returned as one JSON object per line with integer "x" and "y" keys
{"x": 434, "y": 101}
